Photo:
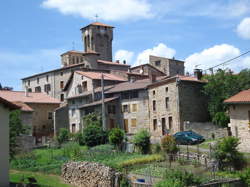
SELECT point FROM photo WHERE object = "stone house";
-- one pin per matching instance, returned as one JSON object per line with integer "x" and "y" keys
{"x": 36, "y": 111}
{"x": 5, "y": 108}
{"x": 172, "y": 102}
{"x": 239, "y": 113}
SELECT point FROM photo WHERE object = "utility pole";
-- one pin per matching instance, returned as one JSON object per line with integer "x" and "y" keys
{"x": 103, "y": 105}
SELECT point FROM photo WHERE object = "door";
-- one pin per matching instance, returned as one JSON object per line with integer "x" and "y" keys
{"x": 126, "y": 125}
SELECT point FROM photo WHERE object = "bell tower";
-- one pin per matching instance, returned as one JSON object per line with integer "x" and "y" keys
{"x": 98, "y": 37}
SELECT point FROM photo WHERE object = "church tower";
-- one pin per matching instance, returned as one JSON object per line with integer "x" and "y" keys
{"x": 98, "y": 37}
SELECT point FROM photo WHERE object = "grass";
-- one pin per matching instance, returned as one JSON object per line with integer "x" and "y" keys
{"x": 42, "y": 179}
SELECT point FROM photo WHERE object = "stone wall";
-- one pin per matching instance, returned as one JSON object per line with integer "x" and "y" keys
{"x": 89, "y": 174}
{"x": 206, "y": 129}
{"x": 25, "y": 143}
{"x": 61, "y": 118}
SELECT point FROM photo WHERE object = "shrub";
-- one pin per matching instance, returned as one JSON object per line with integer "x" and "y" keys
{"x": 169, "y": 146}
{"x": 71, "y": 150}
{"x": 94, "y": 135}
{"x": 227, "y": 155}
{"x": 155, "y": 148}
{"x": 245, "y": 176}
{"x": 92, "y": 119}
{"x": 104, "y": 147}
{"x": 221, "y": 119}
{"x": 63, "y": 136}
{"x": 78, "y": 137}
{"x": 170, "y": 183}
{"x": 142, "y": 141}
{"x": 116, "y": 137}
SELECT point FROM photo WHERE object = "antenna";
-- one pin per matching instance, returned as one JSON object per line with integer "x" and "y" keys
{"x": 96, "y": 17}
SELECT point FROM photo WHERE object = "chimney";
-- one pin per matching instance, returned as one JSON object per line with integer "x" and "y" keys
{"x": 198, "y": 73}
{"x": 124, "y": 62}
{"x": 117, "y": 61}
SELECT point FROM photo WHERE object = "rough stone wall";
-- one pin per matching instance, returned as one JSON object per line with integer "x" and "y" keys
{"x": 239, "y": 122}
{"x": 206, "y": 129}
{"x": 25, "y": 143}
{"x": 87, "y": 174}
{"x": 26, "y": 118}
{"x": 61, "y": 118}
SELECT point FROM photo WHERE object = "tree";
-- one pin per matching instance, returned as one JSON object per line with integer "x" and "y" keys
{"x": 227, "y": 155}
{"x": 142, "y": 141}
{"x": 16, "y": 129}
{"x": 220, "y": 86}
{"x": 116, "y": 137}
{"x": 92, "y": 119}
{"x": 94, "y": 135}
{"x": 63, "y": 136}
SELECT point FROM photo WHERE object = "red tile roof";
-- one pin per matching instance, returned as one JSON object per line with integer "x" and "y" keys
{"x": 9, "y": 104}
{"x": 97, "y": 75}
{"x": 98, "y": 102}
{"x": 33, "y": 97}
{"x": 242, "y": 97}
{"x": 98, "y": 24}
{"x": 24, "y": 107}
{"x": 111, "y": 63}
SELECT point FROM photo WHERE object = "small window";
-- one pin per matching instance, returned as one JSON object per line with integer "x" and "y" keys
{"x": 38, "y": 89}
{"x": 62, "y": 97}
{"x": 47, "y": 88}
{"x": 155, "y": 124}
{"x": 154, "y": 105}
{"x": 125, "y": 121}
{"x": 61, "y": 84}
{"x": 61, "y": 73}
{"x": 47, "y": 78}
{"x": 166, "y": 101}
{"x": 166, "y": 89}
{"x": 37, "y": 80}
{"x": 133, "y": 122}
{"x": 153, "y": 92}
{"x": 158, "y": 63}
{"x": 29, "y": 90}
{"x": 28, "y": 82}
{"x": 125, "y": 108}
{"x": 134, "y": 107}
{"x": 170, "y": 122}
{"x": 84, "y": 86}
{"x": 50, "y": 115}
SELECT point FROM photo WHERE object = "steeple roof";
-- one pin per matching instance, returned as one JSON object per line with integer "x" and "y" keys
{"x": 98, "y": 24}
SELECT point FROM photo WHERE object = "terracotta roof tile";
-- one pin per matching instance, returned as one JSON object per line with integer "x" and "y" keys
{"x": 33, "y": 97}
{"x": 23, "y": 106}
{"x": 97, "y": 75}
{"x": 9, "y": 104}
{"x": 111, "y": 63}
{"x": 241, "y": 97}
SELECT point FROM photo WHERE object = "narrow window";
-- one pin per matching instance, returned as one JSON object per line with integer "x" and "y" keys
{"x": 154, "y": 105}
{"x": 61, "y": 84}
{"x": 47, "y": 78}
{"x": 28, "y": 82}
{"x": 125, "y": 108}
{"x": 50, "y": 115}
{"x": 155, "y": 124}
{"x": 153, "y": 92}
{"x": 163, "y": 126}
{"x": 37, "y": 80}
{"x": 166, "y": 89}
{"x": 133, "y": 122}
{"x": 84, "y": 86}
{"x": 125, "y": 121}
{"x": 166, "y": 101}
{"x": 170, "y": 122}
{"x": 134, "y": 107}
{"x": 62, "y": 97}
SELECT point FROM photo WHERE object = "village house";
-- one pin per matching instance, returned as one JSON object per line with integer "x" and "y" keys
{"x": 5, "y": 108}
{"x": 36, "y": 111}
{"x": 239, "y": 113}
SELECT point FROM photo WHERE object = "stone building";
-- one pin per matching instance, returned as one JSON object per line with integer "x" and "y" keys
{"x": 173, "y": 101}
{"x": 5, "y": 108}
{"x": 36, "y": 111}
{"x": 239, "y": 113}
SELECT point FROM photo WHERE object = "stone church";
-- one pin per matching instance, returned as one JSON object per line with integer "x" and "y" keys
{"x": 131, "y": 93}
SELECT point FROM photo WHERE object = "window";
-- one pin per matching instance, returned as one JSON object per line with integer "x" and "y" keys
{"x": 62, "y": 97}
{"x": 84, "y": 86}
{"x": 28, "y": 82}
{"x": 134, "y": 94}
{"x": 125, "y": 121}
{"x": 166, "y": 101}
{"x": 125, "y": 108}
{"x": 47, "y": 88}
{"x": 158, "y": 63}
{"x": 81, "y": 59}
{"x": 37, "y": 80}
{"x": 61, "y": 84}
{"x": 170, "y": 122}
{"x": 73, "y": 111}
{"x": 166, "y": 89}
{"x": 29, "y": 90}
{"x": 61, "y": 73}
{"x": 125, "y": 95}
{"x": 111, "y": 109}
{"x": 134, "y": 107}
{"x": 38, "y": 89}
{"x": 163, "y": 126}
{"x": 153, "y": 92}
{"x": 50, "y": 115}
{"x": 154, "y": 105}
{"x": 47, "y": 78}
{"x": 73, "y": 128}
{"x": 155, "y": 124}
{"x": 133, "y": 122}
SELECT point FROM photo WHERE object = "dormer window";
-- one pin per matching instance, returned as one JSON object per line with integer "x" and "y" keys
{"x": 158, "y": 63}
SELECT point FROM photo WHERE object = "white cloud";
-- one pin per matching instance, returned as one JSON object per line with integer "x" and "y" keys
{"x": 159, "y": 50}
{"x": 215, "y": 55}
{"x": 109, "y": 10}
{"x": 243, "y": 29}
{"x": 124, "y": 55}
{"x": 16, "y": 65}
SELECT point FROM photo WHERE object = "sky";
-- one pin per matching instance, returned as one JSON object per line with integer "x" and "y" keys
{"x": 203, "y": 33}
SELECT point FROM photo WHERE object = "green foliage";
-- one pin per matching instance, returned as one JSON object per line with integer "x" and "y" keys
{"x": 221, "y": 86}
{"x": 227, "y": 155}
{"x": 221, "y": 119}
{"x": 63, "y": 136}
{"x": 78, "y": 137}
{"x": 116, "y": 136}
{"x": 16, "y": 129}
{"x": 170, "y": 183}
{"x": 155, "y": 148}
{"x": 245, "y": 176}
{"x": 92, "y": 119}
{"x": 94, "y": 135}
{"x": 104, "y": 147}
{"x": 142, "y": 141}
{"x": 169, "y": 145}
{"x": 71, "y": 150}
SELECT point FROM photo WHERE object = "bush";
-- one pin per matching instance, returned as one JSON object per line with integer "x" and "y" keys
{"x": 227, "y": 155}
{"x": 71, "y": 150}
{"x": 116, "y": 137}
{"x": 155, "y": 148}
{"x": 63, "y": 136}
{"x": 169, "y": 183}
{"x": 221, "y": 119}
{"x": 169, "y": 146}
{"x": 94, "y": 135}
{"x": 78, "y": 137}
{"x": 142, "y": 141}
{"x": 92, "y": 119}
{"x": 245, "y": 176}
{"x": 104, "y": 147}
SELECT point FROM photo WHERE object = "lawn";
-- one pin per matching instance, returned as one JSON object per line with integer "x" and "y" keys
{"x": 42, "y": 179}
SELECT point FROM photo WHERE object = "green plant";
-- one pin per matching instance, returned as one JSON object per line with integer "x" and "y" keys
{"x": 182, "y": 161}
{"x": 104, "y": 147}
{"x": 155, "y": 148}
{"x": 169, "y": 146}
{"x": 78, "y": 137}
{"x": 116, "y": 137}
{"x": 169, "y": 183}
{"x": 227, "y": 155}
{"x": 94, "y": 135}
{"x": 221, "y": 119}
{"x": 92, "y": 119}
{"x": 142, "y": 141}
{"x": 71, "y": 150}
{"x": 63, "y": 136}
{"x": 245, "y": 176}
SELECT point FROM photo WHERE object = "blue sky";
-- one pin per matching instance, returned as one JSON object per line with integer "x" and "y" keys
{"x": 33, "y": 34}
